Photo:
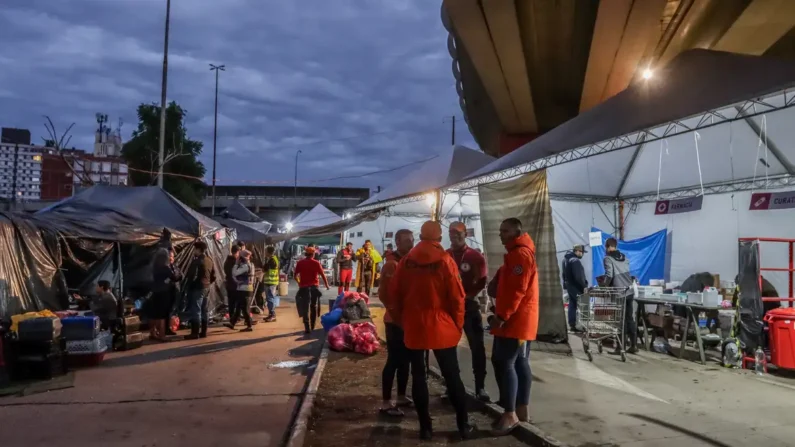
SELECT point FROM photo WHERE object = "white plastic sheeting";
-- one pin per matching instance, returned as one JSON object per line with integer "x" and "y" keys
{"x": 316, "y": 217}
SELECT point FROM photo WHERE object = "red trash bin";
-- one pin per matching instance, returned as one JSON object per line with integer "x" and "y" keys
{"x": 781, "y": 324}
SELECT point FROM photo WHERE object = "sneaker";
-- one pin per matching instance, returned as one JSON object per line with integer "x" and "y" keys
{"x": 247, "y": 329}
{"x": 269, "y": 319}
{"x": 230, "y": 326}
{"x": 467, "y": 431}
{"x": 426, "y": 434}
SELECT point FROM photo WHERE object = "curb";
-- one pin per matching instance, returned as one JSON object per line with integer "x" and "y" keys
{"x": 301, "y": 422}
{"x": 525, "y": 432}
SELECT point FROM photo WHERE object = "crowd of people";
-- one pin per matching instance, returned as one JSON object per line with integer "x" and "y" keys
{"x": 430, "y": 295}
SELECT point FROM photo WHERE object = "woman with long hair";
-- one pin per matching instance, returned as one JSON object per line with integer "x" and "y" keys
{"x": 165, "y": 289}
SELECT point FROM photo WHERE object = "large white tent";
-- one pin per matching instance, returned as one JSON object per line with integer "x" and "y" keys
{"x": 316, "y": 217}
{"x": 709, "y": 124}
{"x": 410, "y": 201}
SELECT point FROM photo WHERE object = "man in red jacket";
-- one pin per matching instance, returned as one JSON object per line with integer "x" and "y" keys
{"x": 514, "y": 324}
{"x": 307, "y": 300}
{"x": 427, "y": 301}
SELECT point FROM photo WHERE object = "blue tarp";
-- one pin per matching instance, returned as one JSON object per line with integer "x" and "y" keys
{"x": 646, "y": 256}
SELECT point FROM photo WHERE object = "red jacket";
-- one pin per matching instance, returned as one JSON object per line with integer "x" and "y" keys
{"x": 307, "y": 271}
{"x": 427, "y": 298}
{"x": 517, "y": 291}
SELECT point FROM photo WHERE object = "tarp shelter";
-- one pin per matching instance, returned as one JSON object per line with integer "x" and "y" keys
{"x": 243, "y": 217}
{"x": 250, "y": 228}
{"x": 112, "y": 232}
{"x": 30, "y": 279}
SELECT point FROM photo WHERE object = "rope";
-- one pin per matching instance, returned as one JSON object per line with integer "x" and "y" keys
{"x": 696, "y": 137}
{"x": 731, "y": 158}
{"x": 659, "y": 167}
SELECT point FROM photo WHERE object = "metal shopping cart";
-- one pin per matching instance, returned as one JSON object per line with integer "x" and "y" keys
{"x": 601, "y": 315}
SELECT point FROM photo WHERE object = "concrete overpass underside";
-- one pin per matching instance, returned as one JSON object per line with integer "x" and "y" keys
{"x": 523, "y": 67}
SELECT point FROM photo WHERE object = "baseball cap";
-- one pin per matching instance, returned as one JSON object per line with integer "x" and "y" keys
{"x": 458, "y": 226}
{"x": 580, "y": 248}
{"x": 309, "y": 251}
{"x": 431, "y": 231}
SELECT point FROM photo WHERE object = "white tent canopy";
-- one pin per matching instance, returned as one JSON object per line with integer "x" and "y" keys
{"x": 446, "y": 168}
{"x": 316, "y": 217}
{"x": 673, "y": 133}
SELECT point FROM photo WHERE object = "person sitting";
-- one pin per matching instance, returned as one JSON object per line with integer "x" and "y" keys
{"x": 104, "y": 305}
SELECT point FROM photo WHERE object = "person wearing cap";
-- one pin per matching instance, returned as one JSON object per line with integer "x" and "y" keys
{"x": 574, "y": 281}
{"x": 243, "y": 272}
{"x": 427, "y": 301}
{"x": 473, "y": 272}
{"x": 307, "y": 300}
{"x": 514, "y": 325}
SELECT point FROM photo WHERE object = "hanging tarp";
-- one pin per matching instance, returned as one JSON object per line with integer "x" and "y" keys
{"x": 331, "y": 229}
{"x": 527, "y": 199}
{"x": 646, "y": 256}
{"x": 749, "y": 324}
{"x": 29, "y": 260}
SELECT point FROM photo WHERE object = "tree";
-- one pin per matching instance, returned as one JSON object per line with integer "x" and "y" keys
{"x": 182, "y": 171}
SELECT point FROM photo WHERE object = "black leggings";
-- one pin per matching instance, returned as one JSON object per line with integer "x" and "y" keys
{"x": 242, "y": 301}
{"x": 448, "y": 364}
{"x": 397, "y": 361}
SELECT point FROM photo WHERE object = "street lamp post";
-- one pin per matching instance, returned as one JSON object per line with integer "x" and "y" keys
{"x": 295, "y": 189}
{"x": 162, "y": 140}
{"x": 216, "y": 69}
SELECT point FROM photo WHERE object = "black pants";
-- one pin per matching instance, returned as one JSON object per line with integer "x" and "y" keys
{"x": 511, "y": 360}
{"x": 473, "y": 328}
{"x": 242, "y": 306}
{"x": 630, "y": 332}
{"x": 364, "y": 284}
{"x": 397, "y": 361}
{"x": 307, "y": 302}
{"x": 448, "y": 364}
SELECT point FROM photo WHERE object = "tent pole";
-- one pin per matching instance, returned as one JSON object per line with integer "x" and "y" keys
{"x": 621, "y": 220}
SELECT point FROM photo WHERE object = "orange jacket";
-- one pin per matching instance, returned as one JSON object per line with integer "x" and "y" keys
{"x": 517, "y": 291}
{"x": 387, "y": 273}
{"x": 427, "y": 298}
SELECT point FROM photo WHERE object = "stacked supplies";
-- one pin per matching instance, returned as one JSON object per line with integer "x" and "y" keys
{"x": 85, "y": 343}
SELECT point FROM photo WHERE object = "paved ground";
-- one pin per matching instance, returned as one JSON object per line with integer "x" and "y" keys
{"x": 225, "y": 390}
{"x": 652, "y": 400}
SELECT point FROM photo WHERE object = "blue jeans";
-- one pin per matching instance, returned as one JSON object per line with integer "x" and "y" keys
{"x": 572, "y": 312}
{"x": 511, "y": 360}
{"x": 270, "y": 299}
{"x": 197, "y": 305}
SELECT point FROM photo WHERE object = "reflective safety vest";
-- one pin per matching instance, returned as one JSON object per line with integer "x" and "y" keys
{"x": 272, "y": 277}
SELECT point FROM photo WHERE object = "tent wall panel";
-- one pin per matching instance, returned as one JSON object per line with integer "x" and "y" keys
{"x": 592, "y": 176}
{"x": 706, "y": 240}
{"x": 573, "y": 222}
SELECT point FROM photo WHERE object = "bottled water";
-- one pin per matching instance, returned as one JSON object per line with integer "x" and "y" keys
{"x": 759, "y": 361}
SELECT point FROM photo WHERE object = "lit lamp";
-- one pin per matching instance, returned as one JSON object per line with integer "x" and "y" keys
{"x": 289, "y": 226}
{"x": 430, "y": 199}
{"x": 648, "y": 73}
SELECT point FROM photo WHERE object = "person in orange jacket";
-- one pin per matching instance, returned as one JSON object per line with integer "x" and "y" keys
{"x": 397, "y": 361}
{"x": 427, "y": 300}
{"x": 514, "y": 324}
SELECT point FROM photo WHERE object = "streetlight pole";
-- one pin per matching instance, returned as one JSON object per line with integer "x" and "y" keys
{"x": 295, "y": 190}
{"x": 216, "y": 69}
{"x": 162, "y": 139}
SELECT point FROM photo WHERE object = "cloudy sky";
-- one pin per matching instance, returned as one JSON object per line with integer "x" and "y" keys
{"x": 357, "y": 85}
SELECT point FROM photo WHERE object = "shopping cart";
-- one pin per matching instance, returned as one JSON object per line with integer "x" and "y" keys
{"x": 601, "y": 315}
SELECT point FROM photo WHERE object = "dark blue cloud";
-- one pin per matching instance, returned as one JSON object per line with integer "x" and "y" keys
{"x": 313, "y": 75}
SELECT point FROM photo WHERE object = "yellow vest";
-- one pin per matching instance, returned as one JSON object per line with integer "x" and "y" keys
{"x": 272, "y": 277}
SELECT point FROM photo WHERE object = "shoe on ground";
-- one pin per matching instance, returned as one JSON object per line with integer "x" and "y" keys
{"x": 247, "y": 329}
{"x": 467, "y": 432}
{"x": 270, "y": 319}
{"x": 192, "y": 337}
{"x": 633, "y": 350}
{"x": 483, "y": 396}
{"x": 426, "y": 434}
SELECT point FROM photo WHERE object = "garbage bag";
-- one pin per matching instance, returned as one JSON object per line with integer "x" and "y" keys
{"x": 331, "y": 319}
{"x": 365, "y": 338}
{"x": 340, "y": 338}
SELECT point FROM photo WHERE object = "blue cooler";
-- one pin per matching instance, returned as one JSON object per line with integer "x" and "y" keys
{"x": 80, "y": 328}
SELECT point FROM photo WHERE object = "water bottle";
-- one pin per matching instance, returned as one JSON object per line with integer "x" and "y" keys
{"x": 759, "y": 361}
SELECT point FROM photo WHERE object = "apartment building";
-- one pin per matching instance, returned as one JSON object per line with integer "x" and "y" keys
{"x": 20, "y": 166}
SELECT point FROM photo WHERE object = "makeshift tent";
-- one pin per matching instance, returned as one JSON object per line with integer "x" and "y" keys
{"x": 29, "y": 260}
{"x": 112, "y": 232}
{"x": 318, "y": 216}
{"x": 250, "y": 228}
{"x": 243, "y": 217}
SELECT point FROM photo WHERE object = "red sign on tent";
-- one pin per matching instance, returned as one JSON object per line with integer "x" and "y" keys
{"x": 772, "y": 200}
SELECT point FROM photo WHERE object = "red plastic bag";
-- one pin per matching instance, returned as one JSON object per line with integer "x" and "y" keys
{"x": 365, "y": 339}
{"x": 173, "y": 323}
{"x": 340, "y": 338}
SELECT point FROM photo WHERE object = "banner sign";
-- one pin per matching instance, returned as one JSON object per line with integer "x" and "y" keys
{"x": 679, "y": 205}
{"x": 772, "y": 200}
